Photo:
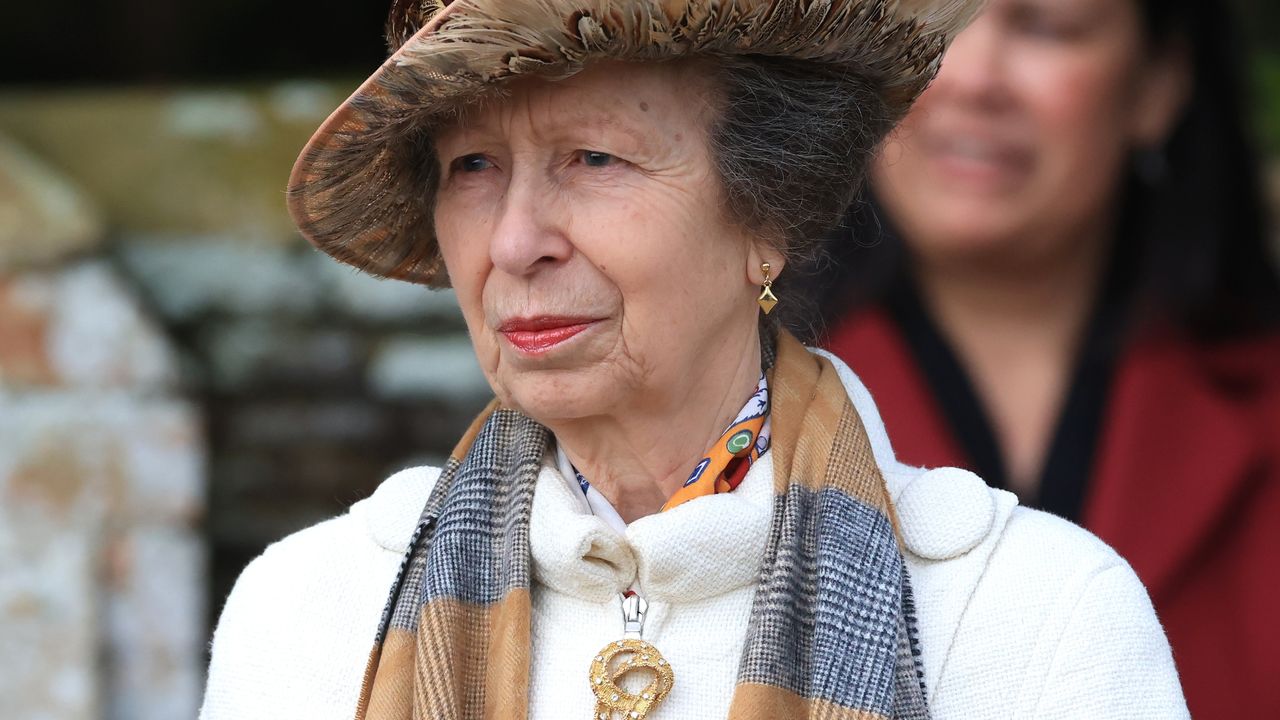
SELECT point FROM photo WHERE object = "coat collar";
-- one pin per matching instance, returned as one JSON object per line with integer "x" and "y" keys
{"x": 1176, "y": 453}
{"x": 1177, "y": 444}
{"x": 700, "y": 549}
{"x": 950, "y": 523}
{"x": 942, "y": 514}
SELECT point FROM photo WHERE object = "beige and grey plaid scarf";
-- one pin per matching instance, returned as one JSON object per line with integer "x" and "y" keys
{"x": 832, "y": 632}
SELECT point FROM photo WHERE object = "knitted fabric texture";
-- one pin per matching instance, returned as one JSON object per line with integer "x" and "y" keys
{"x": 832, "y": 632}
{"x": 362, "y": 189}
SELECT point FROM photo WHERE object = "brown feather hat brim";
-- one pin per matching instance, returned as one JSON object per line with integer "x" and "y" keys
{"x": 357, "y": 193}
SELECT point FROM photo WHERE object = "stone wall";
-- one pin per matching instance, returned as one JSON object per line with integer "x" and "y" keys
{"x": 102, "y": 566}
{"x": 316, "y": 382}
{"x": 182, "y": 382}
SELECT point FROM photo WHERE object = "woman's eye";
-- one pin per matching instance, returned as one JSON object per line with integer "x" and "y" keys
{"x": 592, "y": 158}
{"x": 1042, "y": 23}
{"x": 472, "y": 163}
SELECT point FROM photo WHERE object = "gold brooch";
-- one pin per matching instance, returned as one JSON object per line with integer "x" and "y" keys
{"x": 632, "y": 655}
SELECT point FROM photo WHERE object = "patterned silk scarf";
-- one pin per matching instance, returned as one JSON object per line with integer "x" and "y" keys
{"x": 727, "y": 460}
{"x": 832, "y": 631}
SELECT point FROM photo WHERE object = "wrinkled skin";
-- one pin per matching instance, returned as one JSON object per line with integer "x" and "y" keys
{"x": 596, "y": 198}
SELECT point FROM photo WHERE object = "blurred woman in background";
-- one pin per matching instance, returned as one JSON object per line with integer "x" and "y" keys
{"x": 1063, "y": 283}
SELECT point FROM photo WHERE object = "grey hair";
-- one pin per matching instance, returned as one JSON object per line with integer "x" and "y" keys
{"x": 792, "y": 143}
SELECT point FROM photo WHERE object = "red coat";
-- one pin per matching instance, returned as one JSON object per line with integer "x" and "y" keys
{"x": 1186, "y": 487}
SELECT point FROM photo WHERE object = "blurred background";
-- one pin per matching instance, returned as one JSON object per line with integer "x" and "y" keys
{"x": 182, "y": 379}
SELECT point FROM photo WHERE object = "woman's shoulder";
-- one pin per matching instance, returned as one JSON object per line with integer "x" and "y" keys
{"x": 1085, "y": 638}
{"x": 1034, "y": 537}
{"x": 1022, "y": 609}
{"x": 298, "y": 626}
{"x": 381, "y": 523}
{"x": 956, "y": 529}
{"x": 389, "y": 515}
{"x": 1053, "y": 566}
{"x": 331, "y": 554}
{"x": 947, "y": 514}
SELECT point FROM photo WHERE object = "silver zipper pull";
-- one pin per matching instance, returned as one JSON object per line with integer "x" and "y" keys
{"x": 633, "y": 609}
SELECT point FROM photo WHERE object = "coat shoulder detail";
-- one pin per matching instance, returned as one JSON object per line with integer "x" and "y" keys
{"x": 294, "y": 634}
{"x": 944, "y": 513}
{"x": 390, "y": 514}
{"x": 1058, "y": 627}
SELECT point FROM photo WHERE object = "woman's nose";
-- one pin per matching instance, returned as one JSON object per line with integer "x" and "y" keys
{"x": 974, "y": 69}
{"x": 531, "y": 233}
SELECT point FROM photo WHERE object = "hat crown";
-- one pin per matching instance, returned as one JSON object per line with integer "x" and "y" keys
{"x": 361, "y": 190}
{"x": 407, "y": 17}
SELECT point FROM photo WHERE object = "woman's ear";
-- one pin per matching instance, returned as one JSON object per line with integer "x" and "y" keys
{"x": 759, "y": 254}
{"x": 1163, "y": 90}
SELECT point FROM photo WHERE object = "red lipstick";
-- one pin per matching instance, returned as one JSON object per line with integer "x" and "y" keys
{"x": 539, "y": 334}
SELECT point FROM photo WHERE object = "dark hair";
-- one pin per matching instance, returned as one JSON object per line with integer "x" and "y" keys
{"x": 1193, "y": 221}
{"x": 792, "y": 141}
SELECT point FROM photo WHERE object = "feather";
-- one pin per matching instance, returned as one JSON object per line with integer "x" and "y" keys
{"x": 356, "y": 193}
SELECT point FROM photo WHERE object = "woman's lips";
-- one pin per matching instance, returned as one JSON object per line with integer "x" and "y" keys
{"x": 981, "y": 162}
{"x": 539, "y": 334}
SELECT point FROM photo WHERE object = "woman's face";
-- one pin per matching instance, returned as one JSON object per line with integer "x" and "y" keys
{"x": 581, "y": 224}
{"x": 1021, "y": 142}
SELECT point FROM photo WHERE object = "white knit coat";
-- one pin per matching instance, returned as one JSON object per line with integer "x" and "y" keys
{"x": 1021, "y": 614}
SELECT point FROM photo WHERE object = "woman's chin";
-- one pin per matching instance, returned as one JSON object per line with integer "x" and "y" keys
{"x": 557, "y": 396}
{"x": 966, "y": 235}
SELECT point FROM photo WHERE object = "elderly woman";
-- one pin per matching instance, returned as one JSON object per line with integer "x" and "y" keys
{"x": 672, "y": 509}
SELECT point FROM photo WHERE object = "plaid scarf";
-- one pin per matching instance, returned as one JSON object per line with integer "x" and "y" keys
{"x": 832, "y": 632}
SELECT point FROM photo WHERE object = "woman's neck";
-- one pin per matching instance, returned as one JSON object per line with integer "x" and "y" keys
{"x": 1016, "y": 326}
{"x": 641, "y": 454}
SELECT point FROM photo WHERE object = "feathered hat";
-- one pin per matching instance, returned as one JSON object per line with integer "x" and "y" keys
{"x": 359, "y": 190}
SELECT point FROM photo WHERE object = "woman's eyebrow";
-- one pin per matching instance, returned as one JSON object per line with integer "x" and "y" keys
{"x": 580, "y": 123}
{"x": 599, "y": 120}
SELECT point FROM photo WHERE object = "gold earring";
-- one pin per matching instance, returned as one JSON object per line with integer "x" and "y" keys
{"x": 767, "y": 299}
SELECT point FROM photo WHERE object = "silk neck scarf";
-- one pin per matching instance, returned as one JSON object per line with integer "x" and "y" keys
{"x": 726, "y": 462}
{"x": 832, "y": 632}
